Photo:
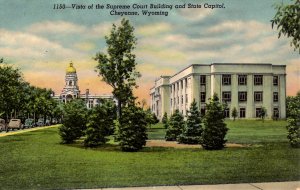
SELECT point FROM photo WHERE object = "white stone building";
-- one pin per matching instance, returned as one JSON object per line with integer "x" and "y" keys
{"x": 71, "y": 90}
{"x": 247, "y": 87}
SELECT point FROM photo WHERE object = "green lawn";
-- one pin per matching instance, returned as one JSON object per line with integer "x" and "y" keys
{"x": 36, "y": 160}
{"x": 243, "y": 131}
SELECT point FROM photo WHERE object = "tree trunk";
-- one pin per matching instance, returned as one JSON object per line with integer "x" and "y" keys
{"x": 119, "y": 109}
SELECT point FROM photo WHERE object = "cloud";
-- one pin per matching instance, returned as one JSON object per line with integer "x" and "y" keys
{"x": 195, "y": 14}
{"x": 154, "y": 29}
{"x": 55, "y": 27}
{"x": 68, "y": 28}
{"x": 25, "y": 45}
{"x": 85, "y": 46}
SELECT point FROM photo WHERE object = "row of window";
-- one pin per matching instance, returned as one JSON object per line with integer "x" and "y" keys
{"x": 173, "y": 101}
{"x": 180, "y": 84}
{"x": 242, "y": 112}
{"x": 242, "y": 80}
{"x": 258, "y": 96}
{"x": 226, "y": 97}
{"x": 226, "y": 80}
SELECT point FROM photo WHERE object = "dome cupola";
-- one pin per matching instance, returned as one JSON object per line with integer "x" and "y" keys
{"x": 70, "y": 68}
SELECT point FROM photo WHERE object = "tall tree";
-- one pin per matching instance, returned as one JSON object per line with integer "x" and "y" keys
{"x": 213, "y": 135}
{"x": 118, "y": 67}
{"x": 193, "y": 129}
{"x": 11, "y": 81}
{"x": 287, "y": 19}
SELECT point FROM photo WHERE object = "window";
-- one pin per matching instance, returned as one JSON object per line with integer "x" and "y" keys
{"x": 202, "y": 80}
{"x": 181, "y": 99}
{"x": 185, "y": 82}
{"x": 275, "y": 80}
{"x": 242, "y": 96}
{"x": 91, "y": 104}
{"x": 275, "y": 113}
{"x": 258, "y": 96}
{"x": 177, "y": 100}
{"x": 171, "y": 102}
{"x": 181, "y": 83}
{"x": 226, "y": 96}
{"x": 202, "y": 111}
{"x": 257, "y": 112}
{"x": 202, "y": 96}
{"x": 242, "y": 79}
{"x": 226, "y": 79}
{"x": 275, "y": 96}
{"x": 171, "y": 89}
{"x": 242, "y": 112}
{"x": 226, "y": 112}
{"x": 258, "y": 79}
{"x": 186, "y": 99}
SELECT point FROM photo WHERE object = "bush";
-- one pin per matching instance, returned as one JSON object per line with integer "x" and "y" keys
{"x": 193, "y": 129}
{"x": 293, "y": 113}
{"x": 294, "y": 132}
{"x": 234, "y": 113}
{"x": 132, "y": 134}
{"x": 100, "y": 124}
{"x": 263, "y": 113}
{"x": 213, "y": 135}
{"x": 74, "y": 121}
{"x": 155, "y": 119}
{"x": 175, "y": 127}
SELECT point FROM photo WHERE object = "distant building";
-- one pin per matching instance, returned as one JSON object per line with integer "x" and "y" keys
{"x": 247, "y": 87}
{"x": 71, "y": 90}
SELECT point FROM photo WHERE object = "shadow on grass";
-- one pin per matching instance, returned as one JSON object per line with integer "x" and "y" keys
{"x": 115, "y": 147}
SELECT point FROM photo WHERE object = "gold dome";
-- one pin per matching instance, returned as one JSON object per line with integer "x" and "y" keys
{"x": 70, "y": 69}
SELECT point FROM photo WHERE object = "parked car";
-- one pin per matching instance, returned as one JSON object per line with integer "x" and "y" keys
{"x": 47, "y": 122}
{"x": 14, "y": 124}
{"x": 40, "y": 122}
{"x": 2, "y": 125}
{"x": 29, "y": 123}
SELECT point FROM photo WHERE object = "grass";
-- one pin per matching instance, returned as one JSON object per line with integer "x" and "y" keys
{"x": 36, "y": 160}
{"x": 242, "y": 131}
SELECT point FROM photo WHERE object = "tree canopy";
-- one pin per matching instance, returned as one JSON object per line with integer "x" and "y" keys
{"x": 118, "y": 67}
{"x": 287, "y": 20}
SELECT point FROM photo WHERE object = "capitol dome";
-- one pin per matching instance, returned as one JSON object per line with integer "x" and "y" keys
{"x": 70, "y": 69}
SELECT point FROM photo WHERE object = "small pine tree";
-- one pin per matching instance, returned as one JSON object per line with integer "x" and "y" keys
{"x": 263, "y": 113}
{"x": 175, "y": 127}
{"x": 213, "y": 135}
{"x": 234, "y": 113}
{"x": 165, "y": 120}
{"x": 100, "y": 124}
{"x": 132, "y": 134}
{"x": 74, "y": 121}
{"x": 193, "y": 129}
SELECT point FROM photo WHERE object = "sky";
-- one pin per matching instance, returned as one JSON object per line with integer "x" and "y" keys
{"x": 41, "y": 41}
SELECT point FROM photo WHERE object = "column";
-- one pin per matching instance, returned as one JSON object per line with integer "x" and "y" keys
{"x": 250, "y": 108}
